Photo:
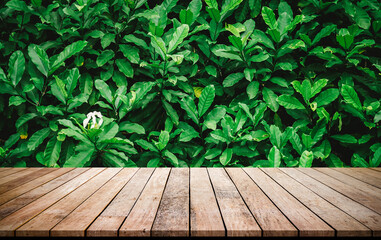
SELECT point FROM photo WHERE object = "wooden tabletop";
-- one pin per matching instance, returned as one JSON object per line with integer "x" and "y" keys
{"x": 190, "y": 202}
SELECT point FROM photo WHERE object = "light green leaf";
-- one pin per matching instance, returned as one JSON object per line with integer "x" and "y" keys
{"x": 252, "y": 89}
{"x": 132, "y": 128}
{"x": 108, "y": 132}
{"x": 188, "y": 105}
{"x": 125, "y": 67}
{"x": 104, "y": 89}
{"x": 39, "y": 58}
{"x": 37, "y": 138}
{"x": 269, "y": 17}
{"x": 83, "y": 155}
{"x": 107, "y": 39}
{"x": 16, "y": 100}
{"x": 318, "y": 86}
{"x": 226, "y": 156}
{"x": 24, "y": 118}
{"x": 206, "y": 100}
{"x": 232, "y": 79}
{"x": 172, "y": 158}
{"x": 350, "y": 96}
{"x": 214, "y": 117}
{"x": 358, "y": 161}
{"x": 327, "y": 96}
{"x": 271, "y": 99}
{"x": 274, "y": 157}
{"x": 159, "y": 46}
{"x": 345, "y": 138}
{"x": 171, "y": 112}
{"x": 52, "y": 152}
{"x": 188, "y": 132}
{"x": 178, "y": 37}
{"x": 306, "y": 159}
{"x": 104, "y": 57}
{"x": 290, "y": 102}
{"x": 69, "y": 51}
{"x": 186, "y": 16}
{"x": 163, "y": 140}
{"x": 16, "y": 67}
{"x": 130, "y": 52}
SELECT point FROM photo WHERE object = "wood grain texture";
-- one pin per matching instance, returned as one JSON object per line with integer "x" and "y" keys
{"x": 41, "y": 225}
{"x": 268, "y": 216}
{"x": 109, "y": 221}
{"x": 348, "y": 190}
{"x": 17, "y": 175}
{"x": 26, "y": 198}
{"x": 345, "y": 225}
{"x": 10, "y": 223}
{"x": 306, "y": 221}
{"x": 237, "y": 218}
{"x": 75, "y": 224}
{"x": 376, "y": 169}
{"x": 206, "y": 219}
{"x": 139, "y": 221}
{"x": 172, "y": 218}
{"x": 363, "y": 214}
{"x": 370, "y": 190}
{"x": 10, "y": 171}
{"x": 13, "y": 193}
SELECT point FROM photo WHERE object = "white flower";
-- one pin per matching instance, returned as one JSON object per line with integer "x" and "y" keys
{"x": 93, "y": 115}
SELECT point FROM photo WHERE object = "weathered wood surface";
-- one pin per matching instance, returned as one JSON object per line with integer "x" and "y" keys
{"x": 184, "y": 202}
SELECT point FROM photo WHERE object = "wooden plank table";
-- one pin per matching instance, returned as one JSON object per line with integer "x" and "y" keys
{"x": 187, "y": 202}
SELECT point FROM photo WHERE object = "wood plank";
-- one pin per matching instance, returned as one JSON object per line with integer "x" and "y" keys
{"x": 17, "y": 175}
{"x": 363, "y": 214}
{"x": 349, "y": 191}
{"x": 139, "y": 221}
{"x": 75, "y": 224}
{"x": 10, "y": 171}
{"x": 24, "y": 199}
{"x": 306, "y": 221}
{"x": 172, "y": 218}
{"x": 13, "y": 221}
{"x": 270, "y": 219}
{"x": 370, "y": 190}
{"x": 110, "y": 220}
{"x": 9, "y": 195}
{"x": 345, "y": 225}
{"x": 376, "y": 169}
{"x": 237, "y": 218}
{"x": 24, "y": 179}
{"x": 49, "y": 218}
{"x": 206, "y": 219}
{"x": 363, "y": 174}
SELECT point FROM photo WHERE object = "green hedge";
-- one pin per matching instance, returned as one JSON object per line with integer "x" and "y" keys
{"x": 190, "y": 83}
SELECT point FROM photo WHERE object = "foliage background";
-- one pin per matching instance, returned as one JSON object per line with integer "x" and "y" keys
{"x": 190, "y": 83}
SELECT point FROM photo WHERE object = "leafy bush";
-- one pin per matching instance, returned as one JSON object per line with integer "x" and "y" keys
{"x": 190, "y": 84}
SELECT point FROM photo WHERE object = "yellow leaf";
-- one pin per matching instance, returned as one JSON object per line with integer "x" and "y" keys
{"x": 197, "y": 91}
{"x": 24, "y": 136}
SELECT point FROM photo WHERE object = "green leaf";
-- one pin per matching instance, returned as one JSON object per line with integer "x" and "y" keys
{"x": 186, "y": 16}
{"x": 318, "y": 86}
{"x": 16, "y": 67}
{"x": 327, "y": 96}
{"x": 58, "y": 90}
{"x": 226, "y": 156}
{"x": 290, "y": 102}
{"x": 274, "y": 157}
{"x": 171, "y": 158}
{"x": 69, "y": 51}
{"x": 271, "y": 99}
{"x": 269, "y": 17}
{"x": 171, "y": 112}
{"x": 109, "y": 132}
{"x": 358, "y": 161}
{"x": 214, "y": 117}
{"x": 159, "y": 46}
{"x": 52, "y": 152}
{"x": 104, "y": 89}
{"x": 188, "y": 132}
{"x": 188, "y": 105}
{"x": 325, "y": 32}
{"x": 344, "y": 38}
{"x": 82, "y": 157}
{"x": 306, "y": 159}
{"x": 39, "y": 58}
{"x": 376, "y": 160}
{"x": 107, "y": 39}
{"x": 130, "y": 52}
{"x": 212, "y": 153}
{"x": 16, "y": 100}
{"x": 37, "y": 138}
{"x": 146, "y": 145}
{"x": 345, "y": 138}
{"x": 125, "y": 67}
{"x": 226, "y": 52}
{"x": 163, "y": 140}
{"x": 232, "y": 79}
{"x": 206, "y": 100}
{"x": 24, "y": 119}
{"x": 104, "y": 57}
{"x": 131, "y": 128}
{"x": 178, "y": 37}
{"x": 219, "y": 135}
{"x": 350, "y": 96}
{"x": 252, "y": 89}
{"x": 214, "y": 14}
{"x": 236, "y": 41}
